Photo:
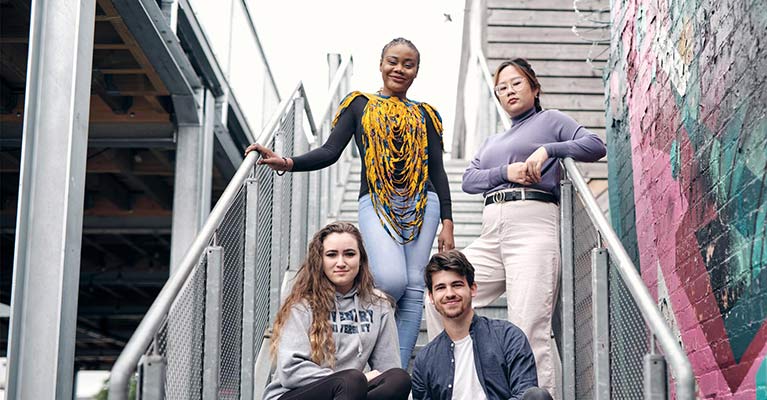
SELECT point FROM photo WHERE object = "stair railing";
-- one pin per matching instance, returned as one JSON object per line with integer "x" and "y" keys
{"x": 206, "y": 334}
{"x": 612, "y": 329}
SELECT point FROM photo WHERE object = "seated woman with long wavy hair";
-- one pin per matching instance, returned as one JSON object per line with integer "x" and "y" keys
{"x": 334, "y": 323}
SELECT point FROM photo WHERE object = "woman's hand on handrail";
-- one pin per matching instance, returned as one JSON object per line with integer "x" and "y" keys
{"x": 270, "y": 158}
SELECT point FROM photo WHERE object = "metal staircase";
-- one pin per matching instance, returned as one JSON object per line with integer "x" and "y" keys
{"x": 207, "y": 334}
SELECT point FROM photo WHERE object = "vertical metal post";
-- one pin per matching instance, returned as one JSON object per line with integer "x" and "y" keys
{"x": 324, "y": 180}
{"x": 191, "y": 206}
{"x": 206, "y": 167}
{"x": 601, "y": 319}
{"x": 192, "y": 181}
{"x": 483, "y": 108}
{"x": 655, "y": 379}
{"x": 211, "y": 348}
{"x": 249, "y": 334}
{"x": 300, "y": 197}
{"x": 152, "y": 377}
{"x": 313, "y": 209}
{"x": 279, "y": 209}
{"x": 568, "y": 289}
{"x": 46, "y": 266}
{"x": 334, "y": 61}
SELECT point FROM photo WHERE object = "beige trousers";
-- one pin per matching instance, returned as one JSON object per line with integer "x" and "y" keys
{"x": 518, "y": 253}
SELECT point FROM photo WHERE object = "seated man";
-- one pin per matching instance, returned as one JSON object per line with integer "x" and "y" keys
{"x": 474, "y": 357}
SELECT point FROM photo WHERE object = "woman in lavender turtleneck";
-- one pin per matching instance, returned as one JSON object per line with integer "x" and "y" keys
{"x": 518, "y": 173}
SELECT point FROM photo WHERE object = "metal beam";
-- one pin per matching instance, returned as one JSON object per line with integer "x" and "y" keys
{"x": 159, "y": 43}
{"x": 190, "y": 31}
{"x": 8, "y": 98}
{"x": 114, "y": 191}
{"x": 132, "y": 245}
{"x": 114, "y": 311}
{"x": 228, "y": 157}
{"x": 103, "y": 86}
{"x": 108, "y": 134}
{"x": 100, "y": 337}
{"x": 52, "y": 187}
{"x": 193, "y": 179}
{"x": 93, "y": 225}
{"x": 106, "y": 252}
{"x": 154, "y": 187}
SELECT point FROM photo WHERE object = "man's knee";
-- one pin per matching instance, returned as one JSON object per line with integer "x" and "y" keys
{"x": 535, "y": 393}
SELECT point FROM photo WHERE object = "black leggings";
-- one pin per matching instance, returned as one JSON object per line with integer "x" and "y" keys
{"x": 351, "y": 384}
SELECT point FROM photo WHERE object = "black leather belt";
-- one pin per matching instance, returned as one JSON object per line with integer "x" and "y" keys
{"x": 513, "y": 195}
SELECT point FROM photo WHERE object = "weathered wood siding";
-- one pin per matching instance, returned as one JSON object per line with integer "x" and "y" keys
{"x": 541, "y": 31}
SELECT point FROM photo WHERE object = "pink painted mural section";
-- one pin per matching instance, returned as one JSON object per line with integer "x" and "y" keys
{"x": 693, "y": 225}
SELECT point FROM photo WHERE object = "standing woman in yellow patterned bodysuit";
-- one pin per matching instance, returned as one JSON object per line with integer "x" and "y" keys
{"x": 404, "y": 192}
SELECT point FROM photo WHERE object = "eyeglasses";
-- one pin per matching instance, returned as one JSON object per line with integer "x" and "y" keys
{"x": 509, "y": 86}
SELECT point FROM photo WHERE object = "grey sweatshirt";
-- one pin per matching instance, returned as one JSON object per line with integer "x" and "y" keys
{"x": 559, "y": 134}
{"x": 363, "y": 334}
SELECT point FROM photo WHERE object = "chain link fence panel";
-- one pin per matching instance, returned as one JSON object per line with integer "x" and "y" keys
{"x": 629, "y": 341}
{"x": 231, "y": 237}
{"x": 181, "y": 338}
{"x": 585, "y": 239}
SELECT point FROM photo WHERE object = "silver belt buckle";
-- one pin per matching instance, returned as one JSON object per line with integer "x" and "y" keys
{"x": 523, "y": 193}
{"x": 498, "y": 197}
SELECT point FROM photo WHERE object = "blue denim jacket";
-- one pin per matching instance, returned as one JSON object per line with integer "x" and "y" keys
{"x": 502, "y": 355}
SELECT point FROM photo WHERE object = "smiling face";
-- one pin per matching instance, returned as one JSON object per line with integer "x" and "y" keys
{"x": 341, "y": 260}
{"x": 451, "y": 293}
{"x": 399, "y": 67}
{"x": 514, "y": 91}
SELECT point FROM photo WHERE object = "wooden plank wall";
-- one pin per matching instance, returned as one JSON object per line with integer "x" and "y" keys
{"x": 541, "y": 31}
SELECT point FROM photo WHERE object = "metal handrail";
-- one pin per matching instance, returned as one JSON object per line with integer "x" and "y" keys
{"x": 144, "y": 334}
{"x": 680, "y": 365}
{"x": 142, "y": 337}
{"x": 488, "y": 79}
{"x": 329, "y": 105}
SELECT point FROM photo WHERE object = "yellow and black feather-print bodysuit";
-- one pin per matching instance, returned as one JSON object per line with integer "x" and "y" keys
{"x": 400, "y": 143}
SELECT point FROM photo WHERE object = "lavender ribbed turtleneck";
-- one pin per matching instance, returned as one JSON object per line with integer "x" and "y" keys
{"x": 559, "y": 134}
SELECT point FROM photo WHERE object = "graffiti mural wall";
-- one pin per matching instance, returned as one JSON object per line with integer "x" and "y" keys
{"x": 687, "y": 138}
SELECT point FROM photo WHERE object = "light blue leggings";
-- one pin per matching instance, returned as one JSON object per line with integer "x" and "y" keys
{"x": 398, "y": 269}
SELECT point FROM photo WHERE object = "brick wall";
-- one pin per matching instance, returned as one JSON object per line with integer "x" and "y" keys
{"x": 687, "y": 141}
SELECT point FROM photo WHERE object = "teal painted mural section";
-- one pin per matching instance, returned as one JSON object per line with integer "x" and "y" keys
{"x": 761, "y": 381}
